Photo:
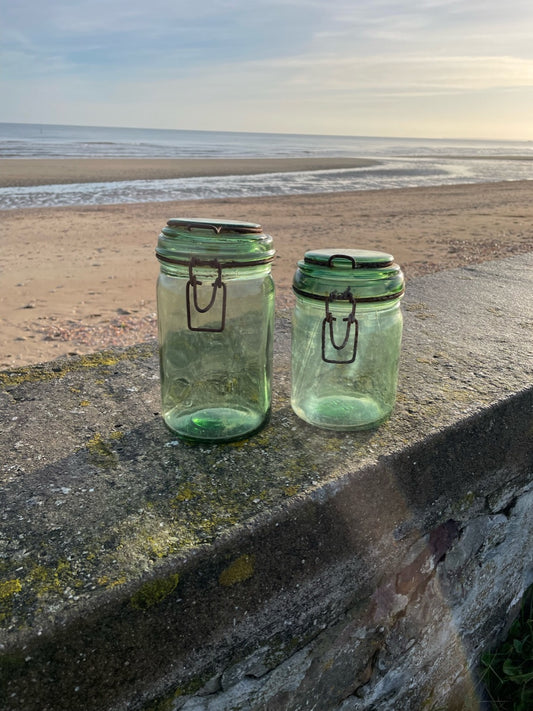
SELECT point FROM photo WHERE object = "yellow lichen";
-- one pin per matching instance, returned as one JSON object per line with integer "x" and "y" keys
{"x": 95, "y": 443}
{"x": 331, "y": 444}
{"x": 162, "y": 544}
{"x": 9, "y": 587}
{"x": 39, "y": 373}
{"x": 186, "y": 492}
{"x": 290, "y": 490}
{"x": 103, "y": 358}
{"x": 109, "y": 584}
{"x": 240, "y": 570}
{"x": 239, "y": 444}
{"x": 100, "y": 451}
{"x": 46, "y": 580}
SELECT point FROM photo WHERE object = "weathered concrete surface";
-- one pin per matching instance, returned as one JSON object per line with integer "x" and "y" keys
{"x": 299, "y": 569}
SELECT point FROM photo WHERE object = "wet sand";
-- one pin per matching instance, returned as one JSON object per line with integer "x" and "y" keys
{"x": 57, "y": 171}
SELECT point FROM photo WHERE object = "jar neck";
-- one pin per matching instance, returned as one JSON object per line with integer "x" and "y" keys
{"x": 207, "y": 271}
{"x": 347, "y": 298}
{"x": 375, "y": 304}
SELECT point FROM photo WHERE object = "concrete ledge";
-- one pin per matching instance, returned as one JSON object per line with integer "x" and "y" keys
{"x": 298, "y": 569}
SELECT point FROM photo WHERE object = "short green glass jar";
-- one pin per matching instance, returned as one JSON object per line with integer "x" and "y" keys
{"x": 215, "y": 304}
{"x": 346, "y": 337}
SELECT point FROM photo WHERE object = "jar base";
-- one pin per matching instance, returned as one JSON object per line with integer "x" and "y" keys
{"x": 214, "y": 424}
{"x": 343, "y": 413}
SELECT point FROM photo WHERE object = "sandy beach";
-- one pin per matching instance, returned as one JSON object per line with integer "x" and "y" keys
{"x": 76, "y": 279}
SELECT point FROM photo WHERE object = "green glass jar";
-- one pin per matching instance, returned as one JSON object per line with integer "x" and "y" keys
{"x": 346, "y": 336}
{"x": 215, "y": 304}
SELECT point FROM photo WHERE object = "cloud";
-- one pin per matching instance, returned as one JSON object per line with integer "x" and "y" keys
{"x": 405, "y": 72}
{"x": 416, "y": 24}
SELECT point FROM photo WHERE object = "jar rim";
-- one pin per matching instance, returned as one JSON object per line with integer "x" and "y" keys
{"x": 228, "y": 242}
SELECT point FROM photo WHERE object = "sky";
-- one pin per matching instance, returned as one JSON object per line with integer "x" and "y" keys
{"x": 420, "y": 68}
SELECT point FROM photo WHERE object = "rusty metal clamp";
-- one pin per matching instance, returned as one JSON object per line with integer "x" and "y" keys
{"x": 193, "y": 283}
{"x": 330, "y": 319}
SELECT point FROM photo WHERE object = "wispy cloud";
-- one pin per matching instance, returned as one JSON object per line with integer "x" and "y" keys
{"x": 407, "y": 72}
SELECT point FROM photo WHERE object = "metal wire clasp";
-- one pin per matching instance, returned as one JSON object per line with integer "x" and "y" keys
{"x": 193, "y": 283}
{"x": 330, "y": 319}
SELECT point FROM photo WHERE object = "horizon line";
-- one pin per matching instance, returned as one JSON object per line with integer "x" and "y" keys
{"x": 272, "y": 133}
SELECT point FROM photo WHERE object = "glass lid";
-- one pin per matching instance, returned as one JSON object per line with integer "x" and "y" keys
{"x": 363, "y": 274}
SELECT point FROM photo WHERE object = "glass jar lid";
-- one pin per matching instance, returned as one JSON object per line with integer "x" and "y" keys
{"x": 360, "y": 274}
{"x": 230, "y": 242}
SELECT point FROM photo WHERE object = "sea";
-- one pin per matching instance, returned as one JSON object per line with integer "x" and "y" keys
{"x": 399, "y": 163}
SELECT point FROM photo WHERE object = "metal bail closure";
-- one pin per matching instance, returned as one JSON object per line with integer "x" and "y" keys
{"x": 342, "y": 256}
{"x": 330, "y": 319}
{"x": 217, "y": 284}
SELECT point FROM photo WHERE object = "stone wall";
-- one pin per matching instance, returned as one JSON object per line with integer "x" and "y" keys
{"x": 299, "y": 569}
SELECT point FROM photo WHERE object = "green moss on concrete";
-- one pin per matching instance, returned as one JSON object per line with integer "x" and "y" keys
{"x": 10, "y": 664}
{"x": 154, "y": 591}
{"x": 240, "y": 570}
{"x": 168, "y": 703}
{"x": 466, "y": 503}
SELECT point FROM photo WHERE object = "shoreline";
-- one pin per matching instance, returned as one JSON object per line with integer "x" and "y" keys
{"x": 25, "y": 172}
{"x": 80, "y": 279}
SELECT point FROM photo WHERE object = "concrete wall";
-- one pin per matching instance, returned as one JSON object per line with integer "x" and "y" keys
{"x": 296, "y": 570}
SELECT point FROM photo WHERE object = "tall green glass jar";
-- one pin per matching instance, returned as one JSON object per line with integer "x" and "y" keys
{"x": 346, "y": 336}
{"x": 215, "y": 303}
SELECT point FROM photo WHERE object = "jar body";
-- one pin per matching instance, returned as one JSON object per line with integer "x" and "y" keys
{"x": 351, "y": 387}
{"x": 215, "y": 362}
